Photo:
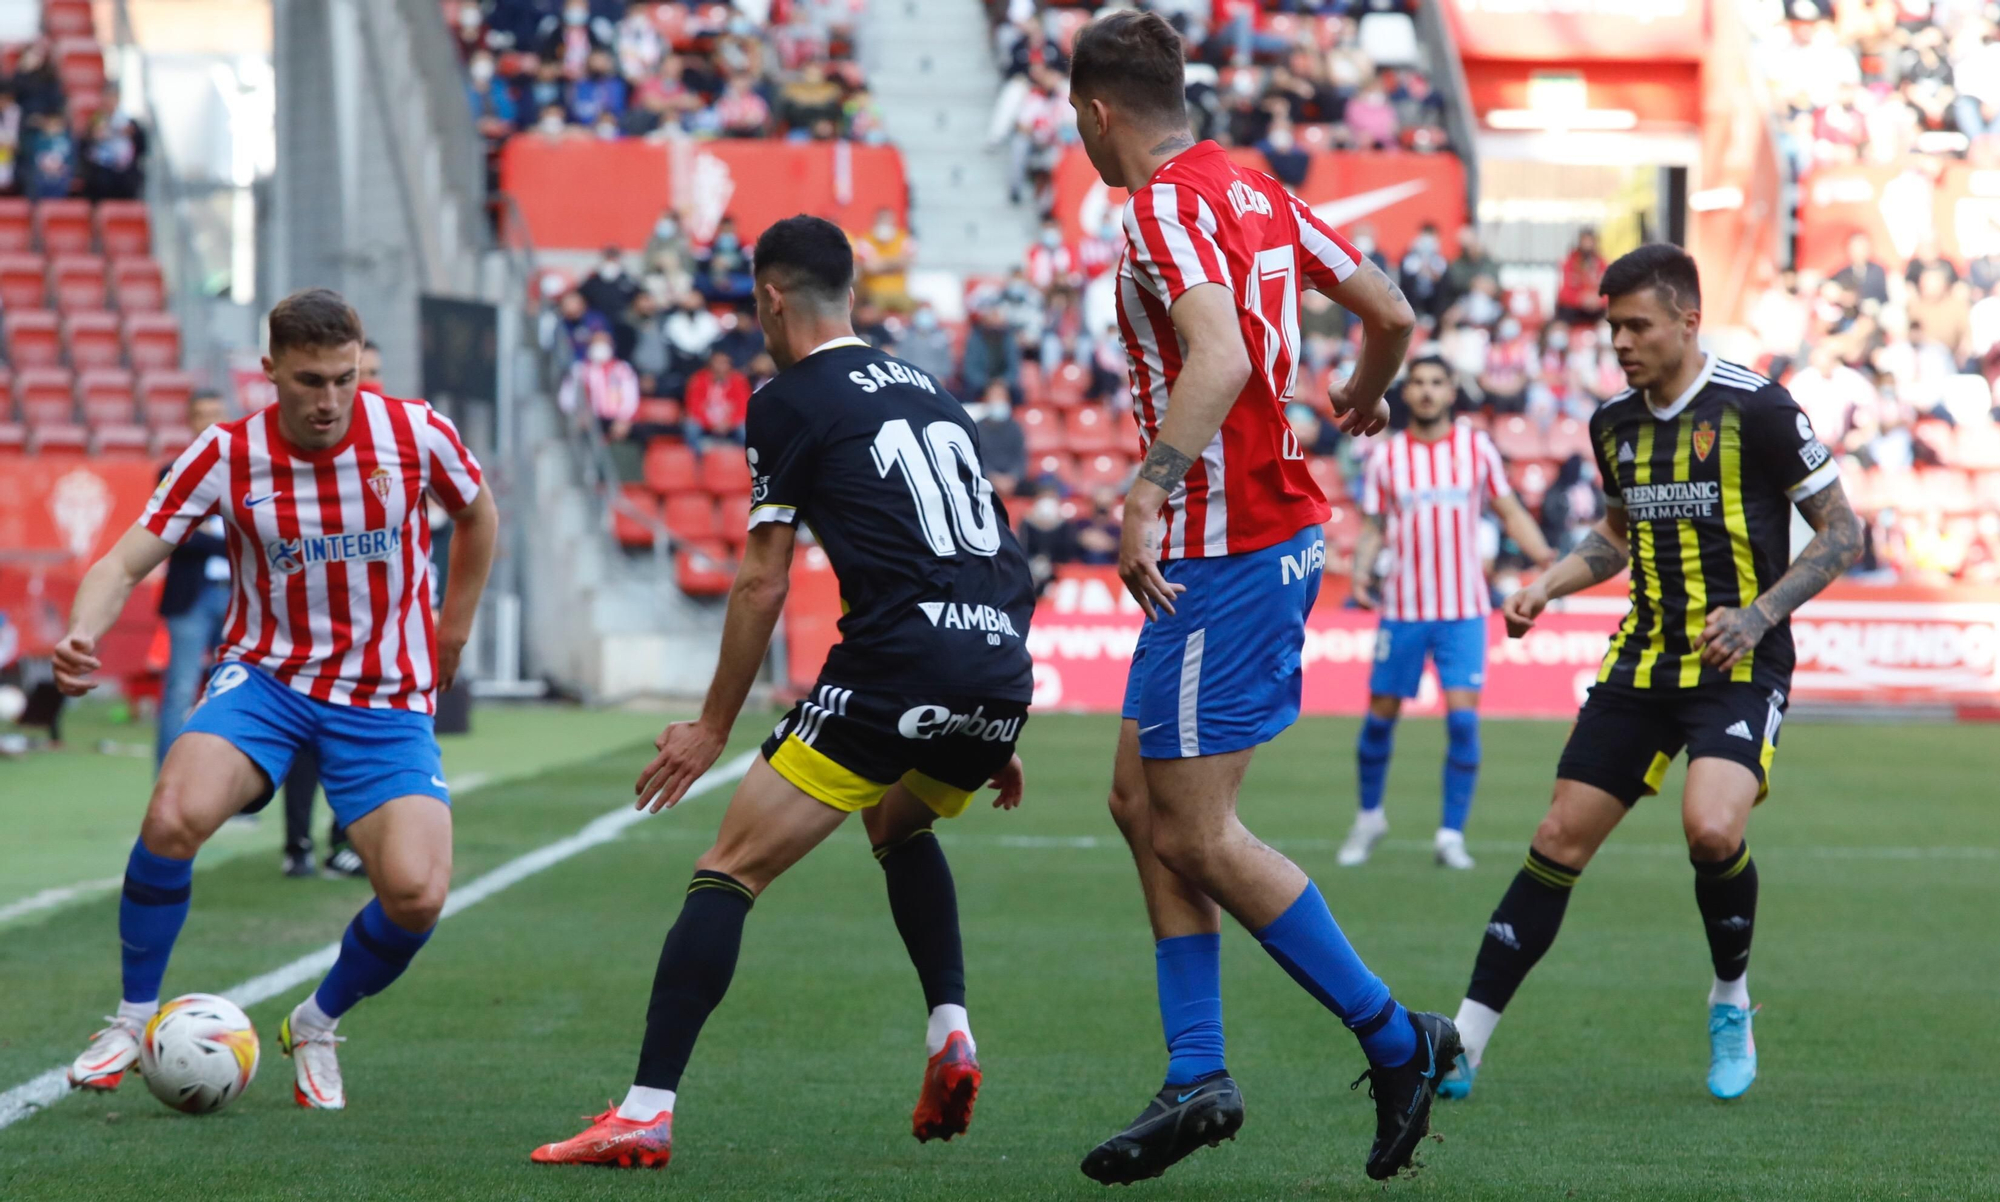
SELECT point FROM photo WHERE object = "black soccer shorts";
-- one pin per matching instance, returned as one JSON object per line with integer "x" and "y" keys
{"x": 847, "y": 746}
{"x": 1625, "y": 737}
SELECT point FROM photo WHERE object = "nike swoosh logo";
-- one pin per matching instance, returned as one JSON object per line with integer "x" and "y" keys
{"x": 439, "y": 782}
{"x": 250, "y": 502}
{"x": 1146, "y": 730}
{"x": 1431, "y": 1052}
{"x": 1337, "y": 213}
{"x": 1190, "y": 1093}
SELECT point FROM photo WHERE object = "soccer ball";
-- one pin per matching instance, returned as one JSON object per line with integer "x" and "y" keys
{"x": 198, "y": 1053}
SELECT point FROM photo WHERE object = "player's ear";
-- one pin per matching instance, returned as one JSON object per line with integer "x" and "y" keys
{"x": 270, "y": 370}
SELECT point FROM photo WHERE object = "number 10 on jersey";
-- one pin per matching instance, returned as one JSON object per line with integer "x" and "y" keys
{"x": 937, "y": 468}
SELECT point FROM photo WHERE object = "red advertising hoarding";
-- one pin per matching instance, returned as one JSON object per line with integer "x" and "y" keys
{"x": 1590, "y": 30}
{"x": 1898, "y": 205}
{"x": 58, "y": 514}
{"x": 1857, "y": 645}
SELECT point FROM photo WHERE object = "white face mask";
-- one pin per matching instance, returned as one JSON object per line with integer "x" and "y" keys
{"x": 1051, "y": 238}
{"x": 609, "y": 271}
{"x": 1047, "y": 509}
{"x": 1510, "y": 329}
{"x": 885, "y": 230}
{"x": 482, "y": 71}
{"x": 666, "y": 227}
{"x": 552, "y": 125}
{"x": 600, "y": 352}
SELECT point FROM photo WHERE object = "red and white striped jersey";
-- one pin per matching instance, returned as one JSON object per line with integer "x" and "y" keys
{"x": 1429, "y": 495}
{"x": 330, "y": 549}
{"x": 1204, "y": 219}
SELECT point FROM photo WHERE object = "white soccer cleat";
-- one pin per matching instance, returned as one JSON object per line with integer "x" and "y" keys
{"x": 112, "y": 1050}
{"x": 1369, "y": 827}
{"x": 1451, "y": 850}
{"x": 316, "y": 1081}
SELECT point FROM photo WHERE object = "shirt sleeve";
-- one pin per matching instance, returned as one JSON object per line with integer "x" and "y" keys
{"x": 454, "y": 474}
{"x": 1778, "y": 438}
{"x": 782, "y": 451}
{"x": 1325, "y": 256}
{"x": 1375, "y": 480}
{"x": 1607, "y": 473}
{"x": 192, "y": 488}
{"x": 1490, "y": 463}
{"x": 1172, "y": 231}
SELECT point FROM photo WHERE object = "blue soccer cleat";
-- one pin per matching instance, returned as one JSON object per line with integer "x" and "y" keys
{"x": 1457, "y": 1083}
{"x": 1732, "y": 1052}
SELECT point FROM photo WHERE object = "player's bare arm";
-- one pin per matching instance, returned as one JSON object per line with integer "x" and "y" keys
{"x": 475, "y": 531}
{"x": 1212, "y": 375}
{"x": 1521, "y": 526}
{"x": 688, "y": 749}
{"x": 1732, "y": 634}
{"x": 100, "y": 597}
{"x": 1602, "y": 554}
{"x": 1367, "y": 550}
{"x": 1387, "y": 323}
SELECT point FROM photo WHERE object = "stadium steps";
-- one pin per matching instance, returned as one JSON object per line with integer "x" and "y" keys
{"x": 930, "y": 67}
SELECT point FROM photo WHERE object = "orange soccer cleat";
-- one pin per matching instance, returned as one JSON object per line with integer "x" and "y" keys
{"x": 951, "y": 1082}
{"x": 616, "y": 1142}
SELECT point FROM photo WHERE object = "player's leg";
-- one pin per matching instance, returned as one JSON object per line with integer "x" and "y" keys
{"x": 924, "y": 903}
{"x": 1617, "y": 753}
{"x": 239, "y": 738}
{"x": 1727, "y": 775}
{"x": 1376, "y": 742}
{"x": 301, "y": 783}
{"x": 1460, "y": 652}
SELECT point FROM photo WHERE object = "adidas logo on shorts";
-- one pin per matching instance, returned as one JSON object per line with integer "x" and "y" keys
{"x": 1741, "y": 729}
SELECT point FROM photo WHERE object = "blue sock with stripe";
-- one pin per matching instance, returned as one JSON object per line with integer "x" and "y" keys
{"x": 1189, "y": 968}
{"x": 1307, "y": 943}
{"x": 373, "y": 953}
{"x": 150, "y": 914}
{"x": 1371, "y": 757}
{"x": 1461, "y": 766}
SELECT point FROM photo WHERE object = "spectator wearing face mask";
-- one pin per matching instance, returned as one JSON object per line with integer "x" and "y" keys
{"x": 1577, "y": 298}
{"x": 1003, "y": 445}
{"x": 883, "y": 255}
{"x": 1097, "y": 535}
{"x": 1471, "y": 262}
{"x": 602, "y": 386}
{"x": 1509, "y": 368}
{"x": 1283, "y": 157}
{"x": 668, "y": 252}
{"x": 610, "y": 289}
{"x": 1423, "y": 273}
{"x": 599, "y": 94}
{"x": 692, "y": 332}
{"x": 568, "y": 37}
{"x": 717, "y": 401}
{"x": 1315, "y": 437}
{"x": 651, "y": 356}
{"x": 1047, "y": 537}
{"x": 724, "y": 274}
{"x": 578, "y": 323}
{"x": 1363, "y": 239}
{"x": 493, "y": 109}
{"x": 1050, "y": 263}
{"x": 926, "y": 344}
{"x": 553, "y": 125}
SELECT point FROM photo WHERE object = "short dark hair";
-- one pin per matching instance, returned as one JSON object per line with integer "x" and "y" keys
{"x": 199, "y": 395}
{"x": 1135, "y": 61}
{"x": 1658, "y": 265}
{"x": 313, "y": 318}
{"x": 1431, "y": 360}
{"x": 811, "y": 252}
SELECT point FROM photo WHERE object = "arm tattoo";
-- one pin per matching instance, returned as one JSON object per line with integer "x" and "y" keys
{"x": 1172, "y": 143}
{"x": 1164, "y": 466}
{"x": 1603, "y": 559}
{"x": 1368, "y": 267}
{"x": 1831, "y": 552}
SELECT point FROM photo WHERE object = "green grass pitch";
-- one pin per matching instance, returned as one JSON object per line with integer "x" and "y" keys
{"x": 1875, "y": 964}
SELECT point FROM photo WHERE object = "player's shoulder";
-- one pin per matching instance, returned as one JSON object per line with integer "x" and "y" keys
{"x": 1615, "y": 409}
{"x": 1737, "y": 382}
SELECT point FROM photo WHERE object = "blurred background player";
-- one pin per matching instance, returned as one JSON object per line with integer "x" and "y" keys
{"x": 302, "y": 782}
{"x": 1227, "y": 586}
{"x": 194, "y": 600}
{"x": 917, "y": 707}
{"x": 322, "y": 490}
{"x": 1702, "y": 461}
{"x": 1422, "y": 494}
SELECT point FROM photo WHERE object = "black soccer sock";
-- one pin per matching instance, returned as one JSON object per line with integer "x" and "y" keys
{"x": 1522, "y": 928}
{"x": 696, "y": 962}
{"x": 1726, "y": 891}
{"x": 925, "y": 906}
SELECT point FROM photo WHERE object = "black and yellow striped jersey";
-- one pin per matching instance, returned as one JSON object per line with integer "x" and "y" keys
{"x": 1707, "y": 485}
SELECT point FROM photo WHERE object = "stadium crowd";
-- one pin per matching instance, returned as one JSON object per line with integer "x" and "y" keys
{"x": 59, "y": 141}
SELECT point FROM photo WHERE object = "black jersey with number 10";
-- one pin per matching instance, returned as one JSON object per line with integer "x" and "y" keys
{"x": 883, "y": 465}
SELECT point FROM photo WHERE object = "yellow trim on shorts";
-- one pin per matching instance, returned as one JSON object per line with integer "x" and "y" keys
{"x": 946, "y": 801}
{"x": 1764, "y": 759}
{"x": 1657, "y": 774}
{"x": 816, "y": 775}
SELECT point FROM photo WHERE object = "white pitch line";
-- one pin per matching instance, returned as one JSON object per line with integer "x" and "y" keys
{"x": 49, "y": 899}
{"x": 51, "y": 1087}
{"x": 1109, "y": 842}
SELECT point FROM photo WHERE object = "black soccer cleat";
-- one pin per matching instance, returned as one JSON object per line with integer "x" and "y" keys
{"x": 299, "y": 864}
{"x": 1403, "y": 1095}
{"x": 1178, "y": 1120}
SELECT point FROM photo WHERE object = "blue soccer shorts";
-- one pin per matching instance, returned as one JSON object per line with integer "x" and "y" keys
{"x": 366, "y": 756}
{"x": 1223, "y": 671}
{"x": 1458, "y": 646}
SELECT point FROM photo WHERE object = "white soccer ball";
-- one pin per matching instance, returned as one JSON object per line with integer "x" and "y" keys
{"x": 198, "y": 1053}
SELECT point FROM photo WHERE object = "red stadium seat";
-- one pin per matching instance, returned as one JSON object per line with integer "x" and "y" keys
{"x": 725, "y": 471}
{"x": 1100, "y": 471}
{"x": 1089, "y": 430}
{"x": 1531, "y": 478}
{"x": 62, "y": 227}
{"x": 1067, "y": 386}
{"x": 1515, "y": 437}
{"x": 1325, "y": 471}
{"x": 46, "y": 395}
{"x": 124, "y": 228}
{"x": 658, "y": 411}
{"x": 164, "y": 396}
{"x": 704, "y": 569}
{"x": 80, "y": 62}
{"x": 170, "y": 441}
{"x": 137, "y": 286}
{"x": 23, "y": 281}
{"x": 152, "y": 340}
{"x": 1569, "y": 437}
{"x": 77, "y": 282}
{"x": 33, "y": 338}
{"x": 106, "y": 396}
{"x": 1062, "y": 467}
{"x": 691, "y": 516}
{"x": 626, "y": 526}
{"x": 669, "y": 467}
{"x": 57, "y": 436}
{"x": 13, "y": 435}
{"x": 1042, "y": 429}
{"x": 113, "y": 438}
{"x": 1343, "y": 527}
{"x": 92, "y": 339}
{"x": 733, "y": 515}
{"x": 17, "y": 231}
{"x": 1034, "y": 389}
{"x": 68, "y": 19}
{"x": 83, "y": 105}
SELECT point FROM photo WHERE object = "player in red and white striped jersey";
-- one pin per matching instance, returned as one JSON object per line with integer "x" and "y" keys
{"x": 1223, "y": 549}
{"x": 1422, "y": 495}
{"x": 330, "y": 644}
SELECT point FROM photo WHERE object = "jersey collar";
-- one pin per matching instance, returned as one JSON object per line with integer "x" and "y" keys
{"x": 831, "y": 344}
{"x": 1686, "y": 398}
{"x": 1199, "y": 150}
